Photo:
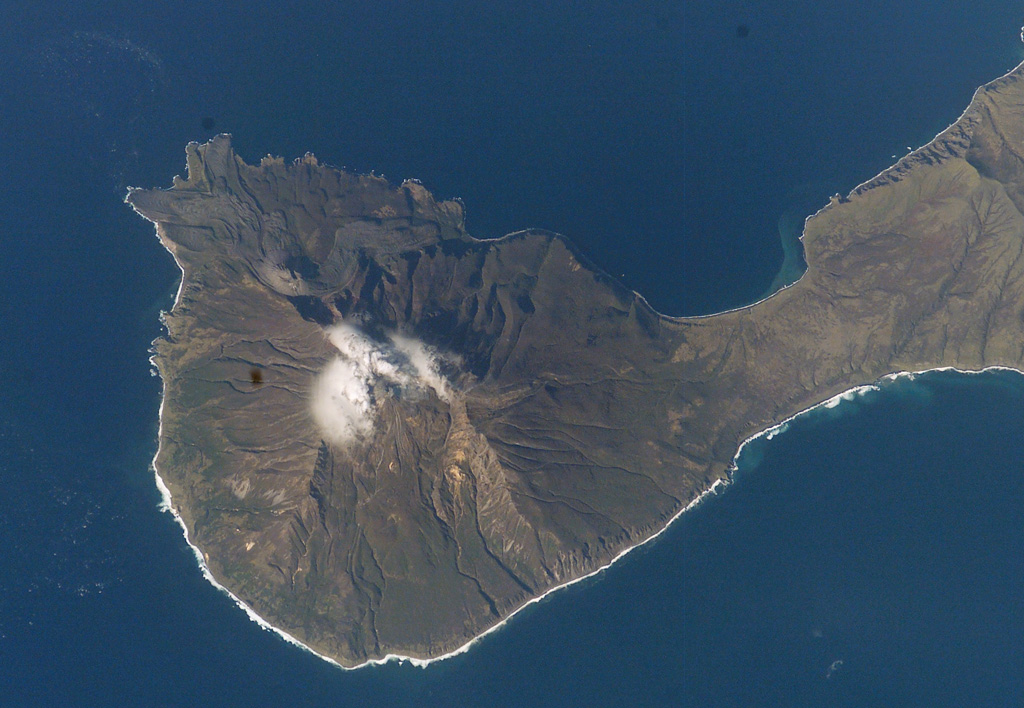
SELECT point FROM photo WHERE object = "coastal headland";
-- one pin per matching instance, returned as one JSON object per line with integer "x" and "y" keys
{"x": 384, "y": 436}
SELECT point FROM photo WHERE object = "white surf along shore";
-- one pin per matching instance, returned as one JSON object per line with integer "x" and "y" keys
{"x": 167, "y": 503}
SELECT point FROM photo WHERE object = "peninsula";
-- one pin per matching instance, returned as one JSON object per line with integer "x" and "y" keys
{"x": 385, "y": 436}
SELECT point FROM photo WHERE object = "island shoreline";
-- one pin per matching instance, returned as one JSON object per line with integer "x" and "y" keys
{"x": 855, "y": 190}
{"x": 167, "y": 503}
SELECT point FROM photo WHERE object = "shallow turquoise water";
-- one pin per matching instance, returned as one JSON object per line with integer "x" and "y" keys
{"x": 884, "y": 534}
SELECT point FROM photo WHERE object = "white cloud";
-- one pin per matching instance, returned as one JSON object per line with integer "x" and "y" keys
{"x": 424, "y": 362}
{"x": 341, "y": 402}
{"x": 343, "y": 405}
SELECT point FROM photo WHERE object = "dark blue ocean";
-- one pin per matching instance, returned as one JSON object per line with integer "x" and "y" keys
{"x": 872, "y": 555}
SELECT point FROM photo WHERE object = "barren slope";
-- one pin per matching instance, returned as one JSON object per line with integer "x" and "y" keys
{"x": 577, "y": 421}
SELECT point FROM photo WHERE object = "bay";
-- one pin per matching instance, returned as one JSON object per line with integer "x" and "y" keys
{"x": 882, "y": 534}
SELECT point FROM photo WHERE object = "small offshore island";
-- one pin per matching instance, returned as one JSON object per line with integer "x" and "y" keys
{"x": 385, "y": 437}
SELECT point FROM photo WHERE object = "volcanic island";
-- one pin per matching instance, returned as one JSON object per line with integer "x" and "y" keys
{"x": 384, "y": 436}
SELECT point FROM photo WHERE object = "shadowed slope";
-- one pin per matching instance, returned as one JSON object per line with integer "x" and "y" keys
{"x": 574, "y": 421}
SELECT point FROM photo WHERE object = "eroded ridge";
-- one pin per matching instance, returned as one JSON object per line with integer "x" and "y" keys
{"x": 386, "y": 436}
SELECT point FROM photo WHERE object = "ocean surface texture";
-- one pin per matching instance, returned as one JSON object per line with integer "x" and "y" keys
{"x": 870, "y": 555}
